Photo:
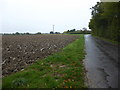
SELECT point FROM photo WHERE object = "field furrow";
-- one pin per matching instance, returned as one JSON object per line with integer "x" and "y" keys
{"x": 20, "y": 51}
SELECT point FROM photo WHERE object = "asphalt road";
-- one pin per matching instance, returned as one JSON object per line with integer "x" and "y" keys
{"x": 101, "y": 63}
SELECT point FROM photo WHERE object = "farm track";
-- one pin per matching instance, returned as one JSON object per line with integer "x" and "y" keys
{"x": 20, "y": 51}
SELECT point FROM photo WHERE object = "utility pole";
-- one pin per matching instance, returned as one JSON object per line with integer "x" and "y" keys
{"x": 53, "y": 28}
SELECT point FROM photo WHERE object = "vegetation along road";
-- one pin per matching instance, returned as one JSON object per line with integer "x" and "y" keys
{"x": 101, "y": 63}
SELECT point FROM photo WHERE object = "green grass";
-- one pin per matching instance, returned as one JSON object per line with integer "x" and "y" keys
{"x": 108, "y": 40}
{"x": 60, "y": 70}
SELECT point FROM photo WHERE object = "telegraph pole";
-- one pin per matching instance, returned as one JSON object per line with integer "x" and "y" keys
{"x": 53, "y": 28}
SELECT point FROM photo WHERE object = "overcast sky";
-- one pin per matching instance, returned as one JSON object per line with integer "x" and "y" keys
{"x": 40, "y": 15}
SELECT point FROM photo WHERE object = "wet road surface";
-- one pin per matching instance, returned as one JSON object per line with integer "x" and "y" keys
{"x": 101, "y": 63}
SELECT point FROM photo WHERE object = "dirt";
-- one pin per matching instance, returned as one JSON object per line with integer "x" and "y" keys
{"x": 20, "y": 51}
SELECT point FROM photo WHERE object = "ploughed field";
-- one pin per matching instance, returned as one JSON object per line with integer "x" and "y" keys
{"x": 20, "y": 51}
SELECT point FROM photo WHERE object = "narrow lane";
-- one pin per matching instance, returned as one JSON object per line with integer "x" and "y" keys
{"x": 101, "y": 63}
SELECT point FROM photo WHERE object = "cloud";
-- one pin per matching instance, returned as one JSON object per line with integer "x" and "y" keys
{"x": 40, "y": 15}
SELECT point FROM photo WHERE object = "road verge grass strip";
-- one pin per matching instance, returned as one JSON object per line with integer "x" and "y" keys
{"x": 60, "y": 70}
{"x": 108, "y": 40}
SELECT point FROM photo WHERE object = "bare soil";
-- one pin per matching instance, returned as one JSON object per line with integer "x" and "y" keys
{"x": 20, "y": 51}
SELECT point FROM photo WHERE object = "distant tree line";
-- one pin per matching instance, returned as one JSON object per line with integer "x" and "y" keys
{"x": 27, "y": 33}
{"x": 74, "y": 31}
{"x": 51, "y": 32}
{"x": 17, "y": 33}
{"x": 105, "y": 20}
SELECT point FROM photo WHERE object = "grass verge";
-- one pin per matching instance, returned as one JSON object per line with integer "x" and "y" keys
{"x": 108, "y": 40}
{"x": 60, "y": 70}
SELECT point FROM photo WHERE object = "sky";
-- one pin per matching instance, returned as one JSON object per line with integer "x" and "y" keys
{"x": 40, "y": 15}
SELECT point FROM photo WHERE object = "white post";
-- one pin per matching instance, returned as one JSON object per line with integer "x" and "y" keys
{"x": 53, "y": 28}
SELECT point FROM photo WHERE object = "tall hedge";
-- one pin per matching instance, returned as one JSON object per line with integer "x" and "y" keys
{"x": 105, "y": 20}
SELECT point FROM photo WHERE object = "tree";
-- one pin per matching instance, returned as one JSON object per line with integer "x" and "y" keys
{"x": 104, "y": 22}
{"x": 57, "y": 32}
{"x": 17, "y": 33}
{"x": 51, "y": 32}
{"x": 38, "y": 33}
{"x": 27, "y": 33}
{"x": 73, "y": 30}
{"x": 85, "y": 29}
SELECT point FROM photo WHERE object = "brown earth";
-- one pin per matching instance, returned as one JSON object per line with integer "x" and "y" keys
{"x": 20, "y": 51}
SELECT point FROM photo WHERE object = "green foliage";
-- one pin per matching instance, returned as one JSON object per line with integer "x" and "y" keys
{"x": 57, "y": 32}
{"x": 51, "y": 32}
{"x": 73, "y": 31}
{"x": 19, "y": 82}
{"x": 105, "y": 20}
{"x": 38, "y": 33}
{"x": 17, "y": 33}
